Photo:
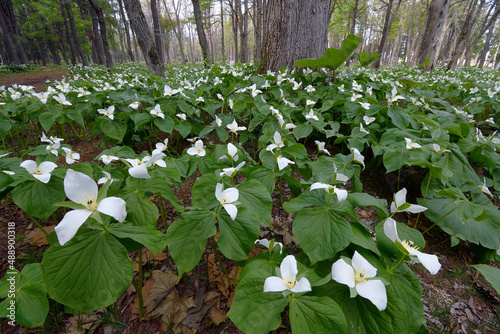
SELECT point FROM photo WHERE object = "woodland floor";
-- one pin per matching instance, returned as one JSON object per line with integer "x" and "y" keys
{"x": 456, "y": 300}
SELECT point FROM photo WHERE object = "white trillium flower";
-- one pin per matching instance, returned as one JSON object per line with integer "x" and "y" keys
{"x": 198, "y": 149}
{"x": 139, "y": 168}
{"x": 312, "y": 115}
{"x": 181, "y": 116}
{"x": 341, "y": 193}
{"x": 134, "y": 105}
{"x": 438, "y": 149}
{"x": 53, "y": 147}
{"x": 287, "y": 281}
{"x": 156, "y": 111}
{"x": 229, "y": 171}
{"x": 283, "y": 162}
{"x": 362, "y": 129}
{"x": 358, "y": 276}
{"x": 285, "y": 126}
{"x": 168, "y": 91}
{"x": 106, "y": 159}
{"x": 62, "y": 99}
{"x": 266, "y": 243}
{"x": 400, "y": 204}
{"x": 339, "y": 176}
{"x": 227, "y": 197}
{"x": 411, "y": 144}
{"x": 368, "y": 119}
{"x": 310, "y": 103}
{"x": 107, "y": 177}
{"x": 200, "y": 99}
{"x": 218, "y": 121}
{"x": 276, "y": 143}
{"x": 310, "y": 89}
{"x": 485, "y": 189}
{"x": 40, "y": 172}
{"x": 81, "y": 189}
{"x": 233, "y": 127}
{"x": 430, "y": 262}
{"x": 71, "y": 156}
{"x": 321, "y": 146}
{"x": 365, "y": 105}
{"x": 160, "y": 147}
{"x": 108, "y": 112}
{"x": 358, "y": 157}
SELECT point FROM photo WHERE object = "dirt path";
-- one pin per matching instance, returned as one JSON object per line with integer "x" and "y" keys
{"x": 33, "y": 78}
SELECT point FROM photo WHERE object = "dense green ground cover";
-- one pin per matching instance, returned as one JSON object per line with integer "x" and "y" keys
{"x": 244, "y": 137}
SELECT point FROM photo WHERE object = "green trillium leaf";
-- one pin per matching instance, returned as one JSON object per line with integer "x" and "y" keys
{"x": 310, "y": 314}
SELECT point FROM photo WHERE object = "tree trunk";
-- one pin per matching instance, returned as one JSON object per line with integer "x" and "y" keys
{"x": 8, "y": 15}
{"x": 223, "y": 52}
{"x": 52, "y": 49}
{"x": 9, "y": 47}
{"x": 74, "y": 32}
{"x": 127, "y": 33}
{"x": 66, "y": 30}
{"x": 234, "y": 21}
{"x": 104, "y": 35}
{"x": 202, "y": 38}
{"x": 437, "y": 12}
{"x": 385, "y": 31}
{"x": 243, "y": 32}
{"x": 258, "y": 29}
{"x": 177, "y": 31}
{"x": 157, "y": 30}
{"x": 486, "y": 47}
{"x": 409, "y": 40}
{"x": 294, "y": 30}
{"x": 141, "y": 30}
{"x": 101, "y": 58}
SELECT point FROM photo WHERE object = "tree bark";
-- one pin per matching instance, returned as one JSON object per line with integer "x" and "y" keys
{"x": 486, "y": 47}
{"x": 127, "y": 32}
{"x": 294, "y": 30}
{"x": 384, "y": 33}
{"x": 223, "y": 52}
{"x": 157, "y": 30}
{"x": 177, "y": 31}
{"x": 66, "y": 30}
{"x": 437, "y": 13}
{"x": 74, "y": 32}
{"x": 100, "y": 57}
{"x": 140, "y": 28}
{"x": 9, "y": 47}
{"x": 202, "y": 38}
{"x": 8, "y": 15}
{"x": 104, "y": 35}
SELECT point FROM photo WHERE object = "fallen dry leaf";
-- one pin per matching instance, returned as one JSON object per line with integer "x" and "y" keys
{"x": 147, "y": 256}
{"x": 37, "y": 237}
{"x": 78, "y": 324}
{"x": 163, "y": 284}
{"x": 216, "y": 276}
{"x": 172, "y": 310}
{"x": 145, "y": 294}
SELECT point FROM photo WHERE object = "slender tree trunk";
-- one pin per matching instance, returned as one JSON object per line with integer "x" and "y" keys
{"x": 177, "y": 31}
{"x": 127, "y": 32}
{"x": 101, "y": 58}
{"x": 486, "y": 47}
{"x": 140, "y": 28}
{"x": 385, "y": 31}
{"x": 157, "y": 29}
{"x": 207, "y": 57}
{"x": 66, "y": 29}
{"x": 74, "y": 32}
{"x": 104, "y": 35}
{"x": 7, "y": 14}
{"x": 223, "y": 51}
{"x": 52, "y": 49}
{"x": 258, "y": 29}
{"x": 409, "y": 40}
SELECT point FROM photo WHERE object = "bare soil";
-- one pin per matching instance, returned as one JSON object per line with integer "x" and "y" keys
{"x": 38, "y": 79}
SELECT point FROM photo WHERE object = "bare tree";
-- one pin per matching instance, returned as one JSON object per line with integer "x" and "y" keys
{"x": 74, "y": 32}
{"x": 202, "y": 38}
{"x": 104, "y": 34}
{"x": 157, "y": 29}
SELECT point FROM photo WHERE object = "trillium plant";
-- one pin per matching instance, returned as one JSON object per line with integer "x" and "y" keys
{"x": 270, "y": 182}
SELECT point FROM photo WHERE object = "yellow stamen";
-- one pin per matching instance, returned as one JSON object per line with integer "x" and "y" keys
{"x": 90, "y": 203}
{"x": 409, "y": 245}
{"x": 289, "y": 281}
{"x": 360, "y": 276}
{"x": 37, "y": 171}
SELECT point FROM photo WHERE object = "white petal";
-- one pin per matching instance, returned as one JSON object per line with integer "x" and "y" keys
{"x": 47, "y": 167}
{"x": 400, "y": 197}
{"x": 70, "y": 224}
{"x": 393, "y": 207}
{"x": 44, "y": 178}
{"x": 430, "y": 262}
{"x": 29, "y": 165}
{"x": 341, "y": 194}
{"x": 232, "y": 210}
{"x": 414, "y": 208}
{"x": 231, "y": 149}
{"x": 114, "y": 207}
{"x": 218, "y": 191}
{"x": 192, "y": 151}
{"x": 319, "y": 185}
{"x": 274, "y": 284}
{"x": 391, "y": 230}
{"x": 302, "y": 286}
{"x": 288, "y": 267}
{"x": 78, "y": 185}
{"x": 374, "y": 291}
{"x": 343, "y": 273}
{"x": 139, "y": 172}
{"x": 232, "y": 194}
{"x": 263, "y": 242}
{"x": 361, "y": 264}
{"x": 277, "y": 137}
